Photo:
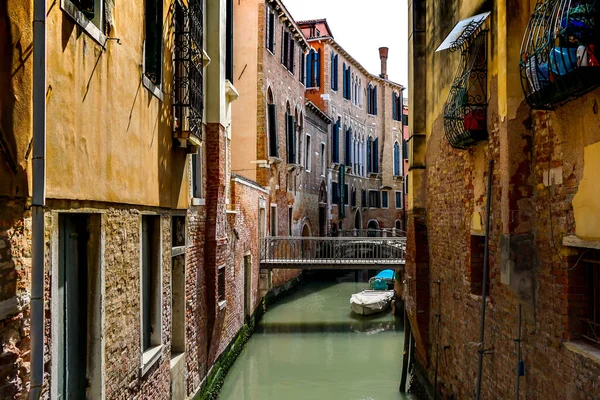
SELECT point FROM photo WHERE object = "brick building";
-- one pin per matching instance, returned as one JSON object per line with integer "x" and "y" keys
{"x": 147, "y": 236}
{"x": 496, "y": 92}
{"x": 269, "y": 52}
{"x": 365, "y": 160}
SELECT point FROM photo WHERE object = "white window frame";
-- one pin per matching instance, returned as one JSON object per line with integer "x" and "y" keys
{"x": 323, "y": 159}
{"x": 308, "y": 151}
{"x": 153, "y": 353}
{"x": 94, "y": 28}
{"x": 401, "y": 199}
{"x": 387, "y": 193}
{"x": 273, "y": 220}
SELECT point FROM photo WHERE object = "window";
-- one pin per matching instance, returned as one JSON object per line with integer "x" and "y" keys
{"x": 406, "y": 184}
{"x": 348, "y": 152}
{"x": 396, "y": 159}
{"x": 584, "y": 296}
{"x": 318, "y": 33}
{"x": 372, "y": 99}
{"x": 302, "y": 64}
{"x": 397, "y": 106}
{"x": 346, "y": 194}
{"x": 197, "y": 184}
{"x": 151, "y": 288}
{"x": 79, "y": 319}
{"x": 229, "y": 54}
{"x": 334, "y": 72}
{"x": 399, "y": 199}
{"x": 221, "y": 285}
{"x": 374, "y": 199}
{"x": 288, "y": 51}
{"x": 353, "y": 197}
{"x": 290, "y": 129}
{"x": 272, "y": 128}
{"x": 323, "y": 159}
{"x": 398, "y": 225}
{"x": 363, "y": 198}
{"x": 347, "y": 82}
{"x": 270, "y": 40}
{"x": 384, "y": 199}
{"x": 475, "y": 275}
{"x": 405, "y": 119}
{"x": 335, "y": 141}
{"x": 405, "y": 149}
{"x": 153, "y": 44}
{"x": 307, "y": 156}
{"x": 335, "y": 194}
{"x": 82, "y": 11}
{"x": 262, "y": 221}
{"x": 373, "y": 155}
{"x": 178, "y": 304}
{"x": 313, "y": 69}
{"x": 273, "y": 219}
{"x": 290, "y": 220}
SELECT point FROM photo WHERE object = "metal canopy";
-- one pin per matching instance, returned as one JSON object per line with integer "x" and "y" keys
{"x": 462, "y": 28}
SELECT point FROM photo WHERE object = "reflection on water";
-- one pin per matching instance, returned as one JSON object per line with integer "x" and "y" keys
{"x": 310, "y": 346}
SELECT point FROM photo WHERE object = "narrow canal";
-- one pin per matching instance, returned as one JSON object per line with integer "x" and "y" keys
{"x": 310, "y": 346}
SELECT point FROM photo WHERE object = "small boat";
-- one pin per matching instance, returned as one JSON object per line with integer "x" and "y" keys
{"x": 387, "y": 275}
{"x": 370, "y": 302}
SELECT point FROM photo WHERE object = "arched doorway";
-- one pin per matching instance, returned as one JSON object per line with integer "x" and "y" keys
{"x": 357, "y": 220}
{"x": 373, "y": 228}
{"x": 306, "y": 244}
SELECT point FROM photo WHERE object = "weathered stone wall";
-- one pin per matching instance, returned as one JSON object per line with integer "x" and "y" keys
{"x": 15, "y": 269}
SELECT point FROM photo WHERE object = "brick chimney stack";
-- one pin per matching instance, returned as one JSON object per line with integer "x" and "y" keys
{"x": 383, "y": 54}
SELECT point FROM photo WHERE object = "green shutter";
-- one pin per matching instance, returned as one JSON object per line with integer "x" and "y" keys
{"x": 273, "y": 147}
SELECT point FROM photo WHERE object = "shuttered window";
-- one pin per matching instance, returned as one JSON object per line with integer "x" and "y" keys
{"x": 335, "y": 194}
{"x": 291, "y": 139}
{"x": 369, "y": 156}
{"x": 372, "y": 100}
{"x": 396, "y": 159}
{"x": 335, "y": 142}
{"x": 405, "y": 149}
{"x": 397, "y": 106}
{"x": 302, "y": 67}
{"x": 375, "y": 155}
{"x": 348, "y": 148}
{"x": 384, "y": 199}
{"x": 273, "y": 147}
{"x": 270, "y": 30}
{"x": 153, "y": 44}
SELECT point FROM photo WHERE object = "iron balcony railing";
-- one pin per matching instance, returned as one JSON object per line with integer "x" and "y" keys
{"x": 188, "y": 57}
{"x": 369, "y": 233}
{"x": 331, "y": 251}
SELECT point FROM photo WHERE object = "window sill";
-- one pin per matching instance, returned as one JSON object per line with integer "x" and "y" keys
{"x": 153, "y": 88}
{"x": 222, "y": 305}
{"x": 178, "y": 251}
{"x": 308, "y": 171}
{"x": 231, "y": 91}
{"x": 584, "y": 349}
{"x": 88, "y": 26}
{"x": 150, "y": 357}
{"x": 275, "y": 160}
{"x": 198, "y": 202}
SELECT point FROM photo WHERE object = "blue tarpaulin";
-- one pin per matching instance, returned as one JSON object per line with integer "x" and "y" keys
{"x": 385, "y": 274}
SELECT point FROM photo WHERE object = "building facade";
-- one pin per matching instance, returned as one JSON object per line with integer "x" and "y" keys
{"x": 151, "y": 246}
{"x": 365, "y": 167}
{"x": 496, "y": 104}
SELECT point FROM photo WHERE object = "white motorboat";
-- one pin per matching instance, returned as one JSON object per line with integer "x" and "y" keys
{"x": 370, "y": 302}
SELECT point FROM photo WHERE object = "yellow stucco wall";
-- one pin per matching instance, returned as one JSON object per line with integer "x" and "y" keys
{"x": 246, "y": 49}
{"x": 108, "y": 137}
{"x": 586, "y": 204}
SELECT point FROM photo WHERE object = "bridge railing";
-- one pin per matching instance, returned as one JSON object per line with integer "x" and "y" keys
{"x": 386, "y": 232}
{"x": 332, "y": 250}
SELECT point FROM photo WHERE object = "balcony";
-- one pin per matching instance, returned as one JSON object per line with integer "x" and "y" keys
{"x": 189, "y": 61}
{"x": 559, "y": 59}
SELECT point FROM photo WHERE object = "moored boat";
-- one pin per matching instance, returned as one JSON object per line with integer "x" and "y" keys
{"x": 370, "y": 302}
{"x": 386, "y": 275}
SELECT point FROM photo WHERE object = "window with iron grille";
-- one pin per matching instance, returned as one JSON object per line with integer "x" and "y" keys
{"x": 559, "y": 59}
{"x": 188, "y": 90}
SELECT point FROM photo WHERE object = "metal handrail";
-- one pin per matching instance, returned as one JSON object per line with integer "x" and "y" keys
{"x": 333, "y": 250}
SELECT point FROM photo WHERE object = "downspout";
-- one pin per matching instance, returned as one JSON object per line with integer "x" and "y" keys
{"x": 486, "y": 254}
{"x": 39, "y": 199}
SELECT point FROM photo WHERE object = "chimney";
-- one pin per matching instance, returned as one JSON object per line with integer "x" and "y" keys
{"x": 383, "y": 54}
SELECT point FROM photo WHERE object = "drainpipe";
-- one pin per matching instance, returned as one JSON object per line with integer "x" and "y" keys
{"x": 39, "y": 199}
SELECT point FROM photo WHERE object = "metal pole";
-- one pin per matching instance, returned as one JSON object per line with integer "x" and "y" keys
{"x": 518, "y": 340}
{"x": 485, "y": 278}
{"x": 405, "y": 356}
{"x": 437, "y": 338}
{"x": 39, "y": 198}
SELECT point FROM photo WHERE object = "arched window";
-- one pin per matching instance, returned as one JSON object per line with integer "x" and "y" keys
{"x": 396, "y": 159}
{"x": 272, "y": 125}
{"x": 290, "y": 128}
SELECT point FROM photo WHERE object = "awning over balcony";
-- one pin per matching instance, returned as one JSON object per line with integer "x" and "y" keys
{"x": 465, "y": 112}
{"x": 559, "y": 56}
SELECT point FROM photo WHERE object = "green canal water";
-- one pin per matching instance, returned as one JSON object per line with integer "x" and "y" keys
{"x": 310, "y": 346}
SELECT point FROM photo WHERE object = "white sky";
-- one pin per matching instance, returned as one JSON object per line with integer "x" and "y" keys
{"x": 361, "y": 27}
